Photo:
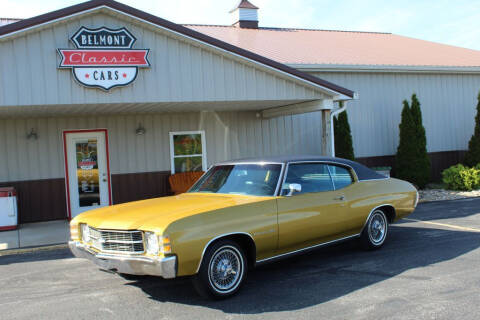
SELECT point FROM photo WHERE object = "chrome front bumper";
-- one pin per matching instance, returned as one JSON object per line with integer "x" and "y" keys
{"x": 138, "y": 265}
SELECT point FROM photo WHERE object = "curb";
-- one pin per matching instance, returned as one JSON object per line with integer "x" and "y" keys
{"x": 9, "y": 252}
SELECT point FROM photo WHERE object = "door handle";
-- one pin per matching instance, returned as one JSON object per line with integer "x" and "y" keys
{"x": 340, "y": 198}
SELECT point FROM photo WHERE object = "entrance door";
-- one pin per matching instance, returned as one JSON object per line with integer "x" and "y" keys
{"x": 87, "y": 170}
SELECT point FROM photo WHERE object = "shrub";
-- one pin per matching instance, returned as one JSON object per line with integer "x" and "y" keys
{"x": 412, "y": 161}
{"x": 472, "y": 157}
{"x": 460, "y": 177}
{"x": 343, "y": 136}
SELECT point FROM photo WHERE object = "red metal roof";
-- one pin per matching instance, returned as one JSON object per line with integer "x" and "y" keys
{"x": 303, "y": 46}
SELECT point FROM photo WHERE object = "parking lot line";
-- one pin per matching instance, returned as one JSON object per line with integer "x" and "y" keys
{"x": 444, "y": 225}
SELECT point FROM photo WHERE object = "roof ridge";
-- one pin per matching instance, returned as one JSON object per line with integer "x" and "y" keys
{"x": 286, "y": 29}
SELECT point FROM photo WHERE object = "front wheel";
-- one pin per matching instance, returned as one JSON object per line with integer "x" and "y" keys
{"x": 376, "y": 230}
{"x": 222, "y": 272}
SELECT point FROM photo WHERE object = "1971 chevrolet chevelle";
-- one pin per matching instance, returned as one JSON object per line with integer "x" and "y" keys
{"x": 241, "y": 213}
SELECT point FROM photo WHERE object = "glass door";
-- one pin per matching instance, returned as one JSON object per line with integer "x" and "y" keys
{"x": 88, "y": 177}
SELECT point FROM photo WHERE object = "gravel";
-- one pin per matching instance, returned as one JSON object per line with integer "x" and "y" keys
{"x": 442, "y": 194}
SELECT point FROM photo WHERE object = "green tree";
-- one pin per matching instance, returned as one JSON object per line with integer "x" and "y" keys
{"x": 412, "y": 161}
{"x": 343, "y": 136}
{"x": 472, "y": 157}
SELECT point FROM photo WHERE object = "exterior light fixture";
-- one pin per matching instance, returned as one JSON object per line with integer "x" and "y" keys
{"x": 140, "y": 130}
{"x": 32, "y": 135}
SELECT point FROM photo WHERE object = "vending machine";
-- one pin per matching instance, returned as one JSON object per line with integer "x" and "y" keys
{"x": 8, "y": 209}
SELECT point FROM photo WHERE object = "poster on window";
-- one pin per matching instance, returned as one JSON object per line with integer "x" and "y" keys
{"x": 87, "y": 173}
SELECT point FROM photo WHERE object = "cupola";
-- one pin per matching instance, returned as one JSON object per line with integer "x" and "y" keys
{"x": 245, "y": 15}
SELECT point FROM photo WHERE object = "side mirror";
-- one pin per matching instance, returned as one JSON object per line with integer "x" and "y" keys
{"x": 294, "y": 187}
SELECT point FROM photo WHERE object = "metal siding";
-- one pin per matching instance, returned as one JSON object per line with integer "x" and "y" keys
{"x": 448, "y": 104}
{"x": 229, "y": 135}
{"x": 181, "y": 70}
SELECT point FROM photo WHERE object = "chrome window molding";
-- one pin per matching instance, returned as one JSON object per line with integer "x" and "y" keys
{"x": 352, "y": 171}
{"x": 307, "y": 248}
{"x": 219, "y": 237}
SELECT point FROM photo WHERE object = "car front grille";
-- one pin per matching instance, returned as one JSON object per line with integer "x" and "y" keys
{"x": 129, "y": 242}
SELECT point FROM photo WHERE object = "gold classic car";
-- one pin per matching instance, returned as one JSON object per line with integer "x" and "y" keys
{"x": 240, "y": 214}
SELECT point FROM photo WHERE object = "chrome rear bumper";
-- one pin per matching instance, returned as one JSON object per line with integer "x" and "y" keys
{"x": 138, "y": 265}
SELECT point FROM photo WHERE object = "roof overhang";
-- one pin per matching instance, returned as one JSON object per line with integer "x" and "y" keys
{"x": 384, "y": 68}
{"x": 10, "y": 30}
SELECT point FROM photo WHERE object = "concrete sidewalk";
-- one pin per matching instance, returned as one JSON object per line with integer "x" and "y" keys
{"x": 35, "y": 234}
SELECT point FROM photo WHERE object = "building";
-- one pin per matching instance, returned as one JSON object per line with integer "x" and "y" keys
{"x": 101, "y": 102}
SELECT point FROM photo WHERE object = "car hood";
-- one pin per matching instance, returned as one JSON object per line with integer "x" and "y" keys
{"x": 156, "y": 214}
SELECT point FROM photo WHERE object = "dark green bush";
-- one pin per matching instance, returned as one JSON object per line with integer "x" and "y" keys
{"x": 459, "y": 177}
{"x": 472, "y": 157}
{"x": 412, "y": 161}
{"x": 343, "y": 136}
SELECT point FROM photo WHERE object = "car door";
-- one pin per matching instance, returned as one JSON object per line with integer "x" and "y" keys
{"x": 319, "y": 212}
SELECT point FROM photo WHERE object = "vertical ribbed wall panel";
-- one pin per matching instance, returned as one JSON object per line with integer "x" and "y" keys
{"x": 229, "y": 135}
{"x": 448, "y": 104}
{"x": 181, "y": 70}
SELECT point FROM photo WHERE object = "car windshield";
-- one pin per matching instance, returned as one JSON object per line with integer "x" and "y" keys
{"x": 243, "y": 179}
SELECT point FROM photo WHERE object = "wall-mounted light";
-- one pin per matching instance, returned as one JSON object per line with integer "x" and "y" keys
{"x": 140, "y": 131}
{"x": 32, "y": 135}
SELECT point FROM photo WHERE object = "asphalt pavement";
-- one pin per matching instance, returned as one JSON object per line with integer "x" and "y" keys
{"x": 429, "y": 268}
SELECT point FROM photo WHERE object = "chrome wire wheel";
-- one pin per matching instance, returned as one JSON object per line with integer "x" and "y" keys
{"x": 377, "y": 228}
{"x": 225, "y": 269}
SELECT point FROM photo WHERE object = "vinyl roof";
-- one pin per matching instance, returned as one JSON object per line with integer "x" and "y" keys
{"x": 362, "y": 172}
{"x": 307, "y": 46}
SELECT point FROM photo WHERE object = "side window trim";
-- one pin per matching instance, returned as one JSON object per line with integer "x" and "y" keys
{"x": 287, "y": 168}
{"x": 331, "y": 178}
{"x": 349, "y": 170}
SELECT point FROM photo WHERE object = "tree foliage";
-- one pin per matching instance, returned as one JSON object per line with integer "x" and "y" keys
{"x": 472, "y": 157}
{"x": 343, "y": 136}
{"x": 412, "y": 161}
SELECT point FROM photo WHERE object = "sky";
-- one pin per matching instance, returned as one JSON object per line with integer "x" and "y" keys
{"x": 451, "y": 22}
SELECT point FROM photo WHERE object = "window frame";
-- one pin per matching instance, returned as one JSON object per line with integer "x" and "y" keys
{"x": 349, "y": 168}
{"x": 172, "y": 149}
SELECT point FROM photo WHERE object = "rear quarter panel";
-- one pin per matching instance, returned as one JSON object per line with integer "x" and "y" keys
{"x": 364, "y": 196}
{"x": 190, "y": 235}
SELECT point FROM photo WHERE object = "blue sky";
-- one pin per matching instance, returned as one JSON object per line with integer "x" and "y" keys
{"x": 450, "y": 22}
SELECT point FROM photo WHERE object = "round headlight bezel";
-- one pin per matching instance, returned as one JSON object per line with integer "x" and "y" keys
{"x": 152, "y": 244}
{"x": 85, "y": 232}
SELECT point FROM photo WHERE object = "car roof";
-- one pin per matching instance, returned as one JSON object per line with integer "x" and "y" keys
{"x": 362, "y": 172}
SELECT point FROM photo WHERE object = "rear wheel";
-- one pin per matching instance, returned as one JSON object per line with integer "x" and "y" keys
{"x": 222, "y": 272}
{"x": 376, "y": 230}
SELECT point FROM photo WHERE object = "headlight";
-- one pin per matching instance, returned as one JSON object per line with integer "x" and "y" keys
{"x": 151, "y": 242}
{"x": 157, "y": 244}
{"x": 85, "y": 232}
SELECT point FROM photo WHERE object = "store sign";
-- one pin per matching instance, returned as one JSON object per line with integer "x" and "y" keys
{"x": 104, "y": 57}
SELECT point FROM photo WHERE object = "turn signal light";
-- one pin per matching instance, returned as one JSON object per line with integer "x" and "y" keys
{"x": 166, "y": 245}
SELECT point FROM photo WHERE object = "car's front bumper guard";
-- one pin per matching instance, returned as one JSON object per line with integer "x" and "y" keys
{"x": 163, "y": 267}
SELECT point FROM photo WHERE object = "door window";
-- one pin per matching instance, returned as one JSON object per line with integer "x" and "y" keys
{"x": 313, "y": 177}
{"x": 341, "y": 176}
{"x": 87, "y": 173}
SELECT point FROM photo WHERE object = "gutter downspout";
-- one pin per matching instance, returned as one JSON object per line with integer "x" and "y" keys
{"x": 333, "y": 114}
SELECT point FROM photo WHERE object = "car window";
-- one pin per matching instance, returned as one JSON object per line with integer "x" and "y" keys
{"x": 341, "y": 176}
{"x": 243, "y": 179}
{"x": 313, "y": 177}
